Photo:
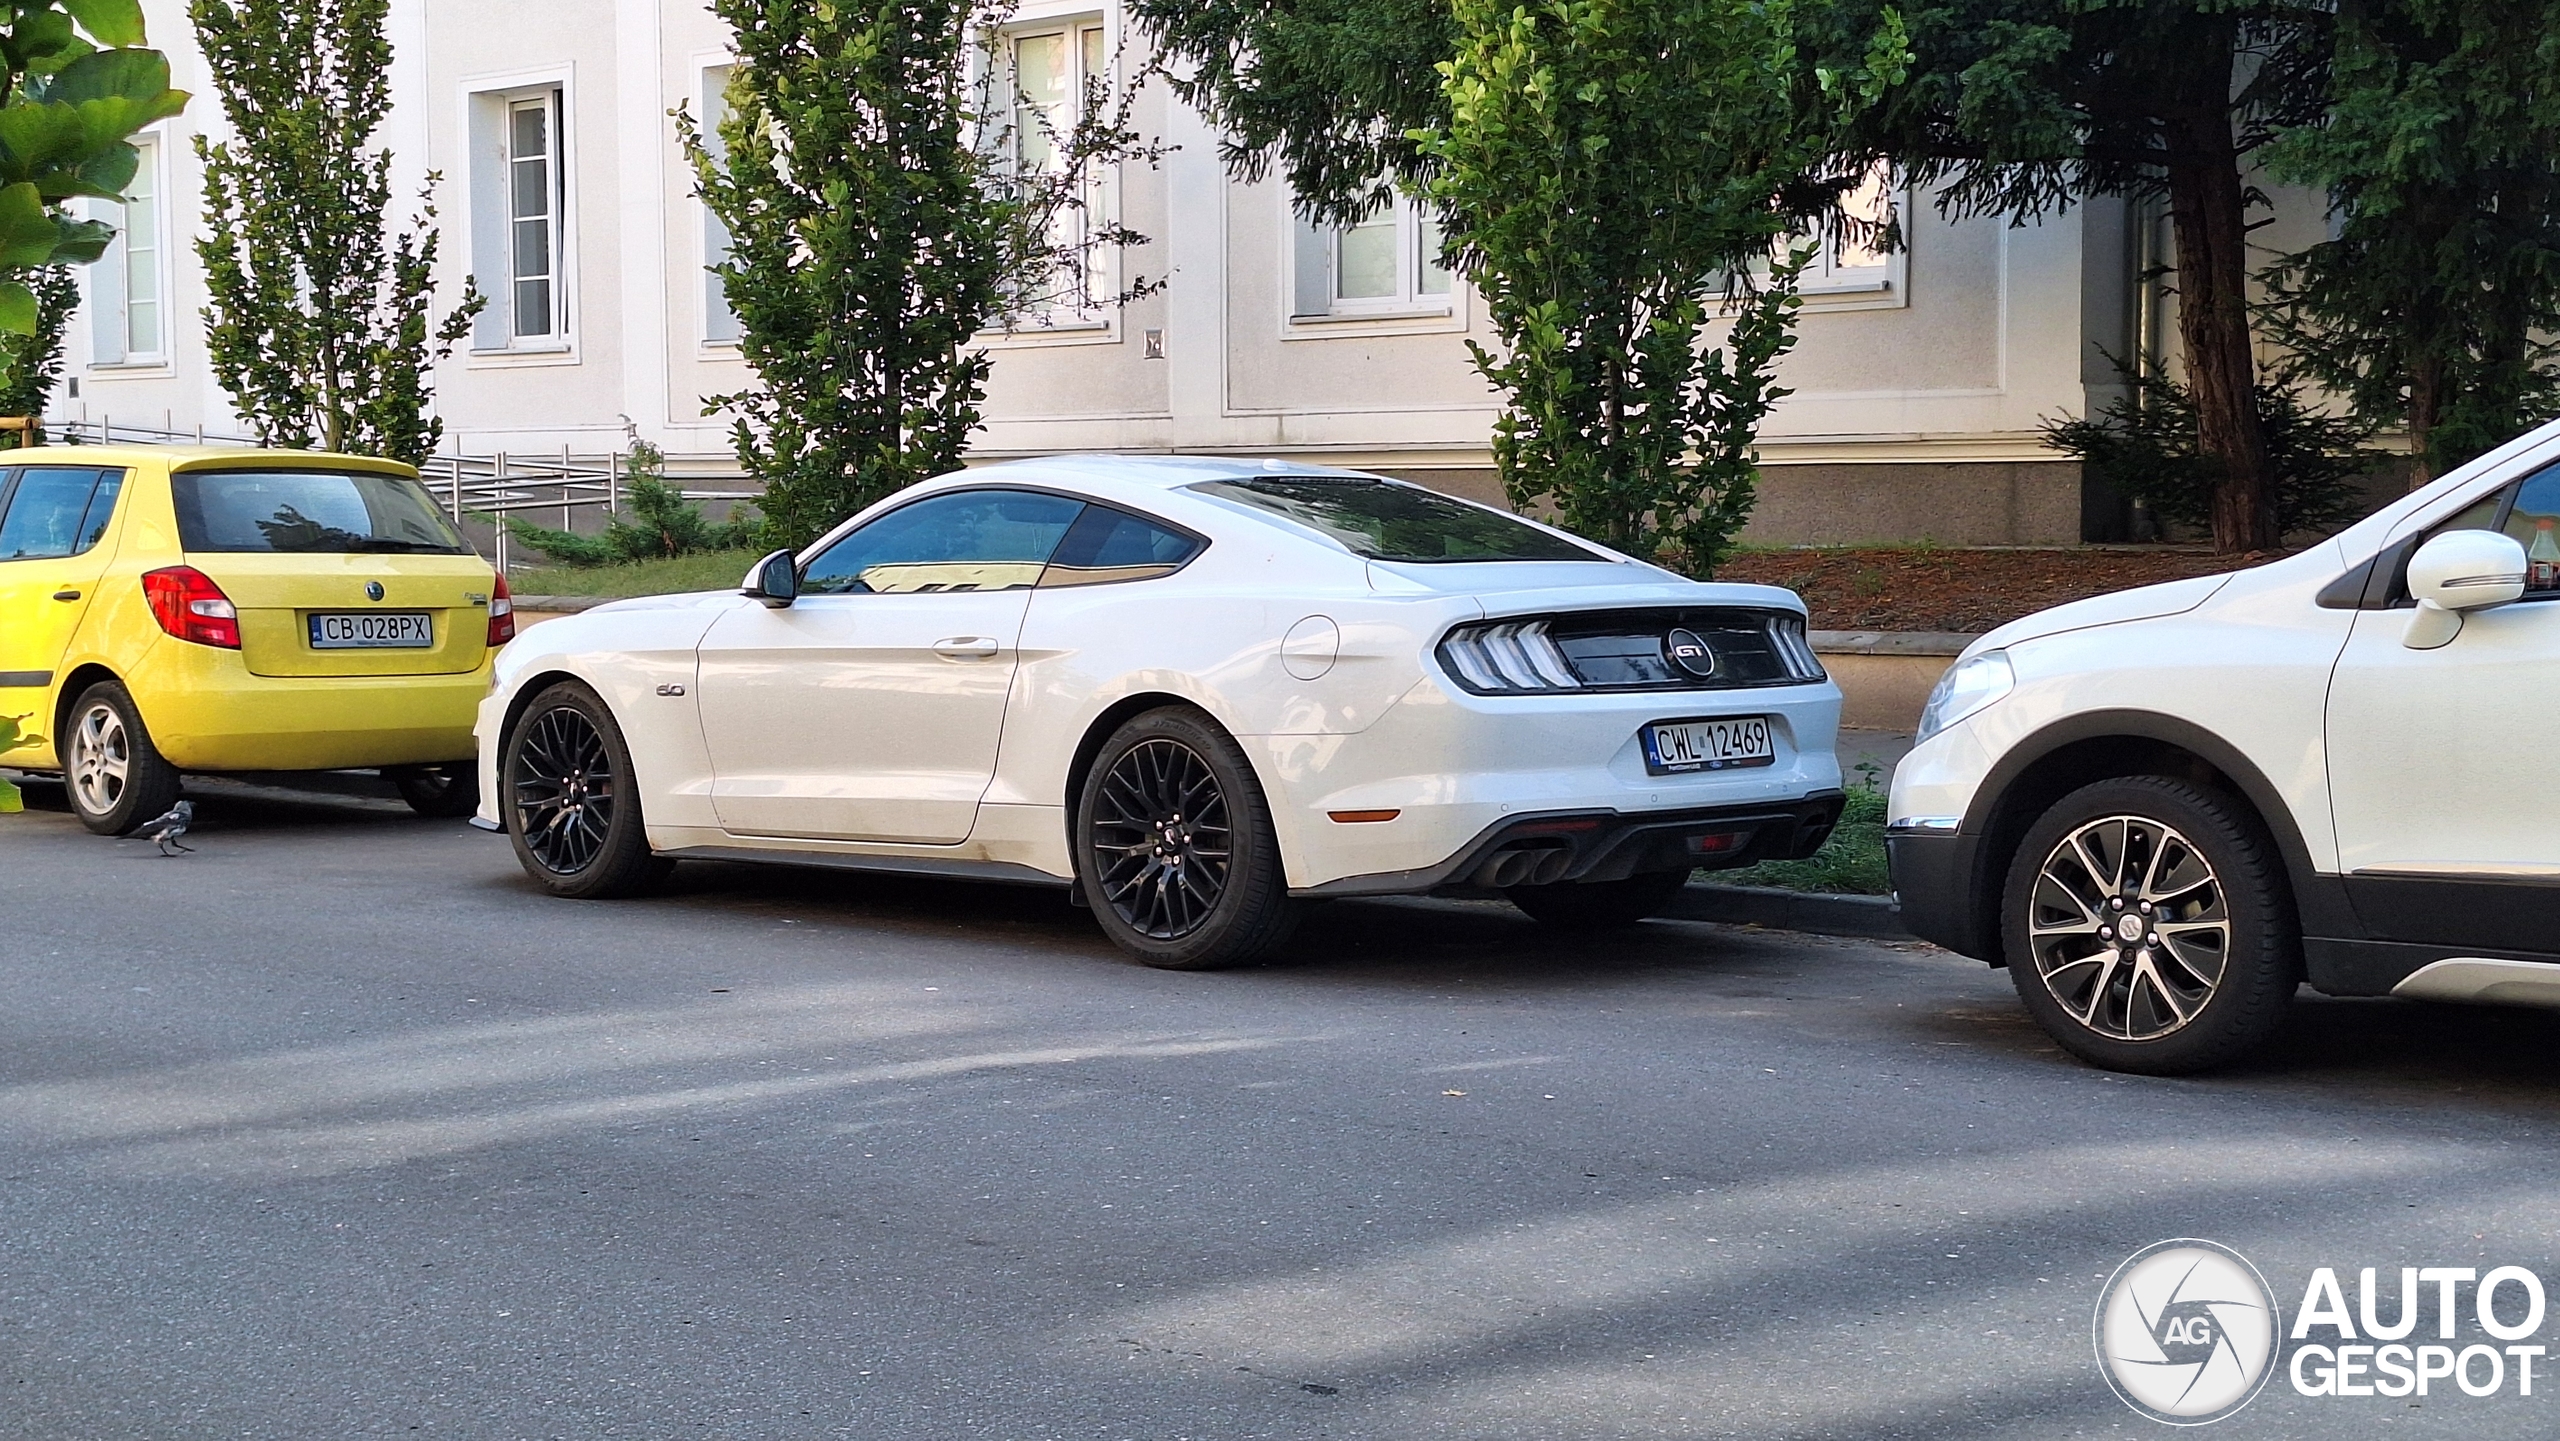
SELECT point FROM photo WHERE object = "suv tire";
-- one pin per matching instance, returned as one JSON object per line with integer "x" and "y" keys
{"x": 2148, "y": 926}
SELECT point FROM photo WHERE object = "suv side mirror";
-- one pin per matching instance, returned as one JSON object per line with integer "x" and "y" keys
{"x": 2458, "y": 571}
{"x": 776, "y": 579}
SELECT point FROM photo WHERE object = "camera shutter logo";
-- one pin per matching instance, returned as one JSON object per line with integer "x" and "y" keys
{"x": 2186, "y": 1331}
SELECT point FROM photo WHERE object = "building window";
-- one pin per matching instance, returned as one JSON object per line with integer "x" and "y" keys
{"x": 1849, "y": 258}
{"x": 719, "y": 322}
{"x": 1388, "y": 264}
{"x": 533, "y": 214}
{"x": 1051, "y": 68}
{"x": 127, "y": 316}
{"x": 520, "y": 218}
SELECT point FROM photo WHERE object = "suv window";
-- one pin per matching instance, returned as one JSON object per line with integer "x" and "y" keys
{"x": 960, "y": 540}
{"x": 2528, "y": 510}
{"x": 57, "y": 510}
{"x": 309, "y": 512}
{"x": 1387, "y": 520}
{"x": 1106, "y": 545}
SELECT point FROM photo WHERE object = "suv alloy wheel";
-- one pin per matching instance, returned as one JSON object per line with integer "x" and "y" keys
{"x": 2148, "y": 927}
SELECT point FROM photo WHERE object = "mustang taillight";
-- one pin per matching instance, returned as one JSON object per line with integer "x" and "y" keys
{"x": 502, "y": 615}
{"x": 191, "y": 607}
{"x": 1666, "y": 648}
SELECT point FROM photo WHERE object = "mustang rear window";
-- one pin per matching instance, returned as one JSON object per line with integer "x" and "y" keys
{"x": 309, "y": 512}
{"x": 1383, "y": 520}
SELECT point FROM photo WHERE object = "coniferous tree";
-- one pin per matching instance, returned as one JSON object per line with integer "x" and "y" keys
{"x": 2023, "y": 107}
{"x": 2433, "y": 305}
{"x": 320, "y": 320}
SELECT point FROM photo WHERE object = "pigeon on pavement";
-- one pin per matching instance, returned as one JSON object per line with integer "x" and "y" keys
{"x": 164, "y": 830}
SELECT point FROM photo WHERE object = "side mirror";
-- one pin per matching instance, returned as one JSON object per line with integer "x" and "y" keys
{"x": 2458, "y": 571}
{"x": 776, "y": 580}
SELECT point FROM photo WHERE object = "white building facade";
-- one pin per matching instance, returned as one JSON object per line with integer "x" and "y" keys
{"x": 1920, "y": 380}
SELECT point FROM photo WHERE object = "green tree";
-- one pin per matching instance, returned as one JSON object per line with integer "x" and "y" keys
{"x": 2022, "y": 107}
{"x": 1609, "y": 167}
{"x": 319, "y": 320}
{"x": 2433, "y": 305}
{"x": 75, "y": 86}
{"x": 884, "y": 208}
{"x": 1331, "y": 93}
{"x": 31, "y": 364}
{"x": 2143, "y": 444}
{"x": 658, "y": 524}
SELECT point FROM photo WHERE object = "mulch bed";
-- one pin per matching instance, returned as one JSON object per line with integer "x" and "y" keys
{"x": 1962, "y": 590}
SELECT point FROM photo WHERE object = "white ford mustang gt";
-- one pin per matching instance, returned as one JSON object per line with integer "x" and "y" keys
{"x": 1195, "y": 692}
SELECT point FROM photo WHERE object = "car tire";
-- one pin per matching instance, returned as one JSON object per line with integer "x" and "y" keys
{"x": 1599, "y": 905}
{"x": 115, "y": 776}
{"x": 445, "y": 792}
{"x": 1175, "y": 851}
{"x": 2149, "y": 928}
{"x": 570, "y": 805}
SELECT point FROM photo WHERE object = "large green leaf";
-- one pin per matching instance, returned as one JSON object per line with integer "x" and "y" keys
{"x": 38, "y": 137}
{"x": 133, "y": 74}
{"x": 17, "y": 308}
{"x": 113, "y": 22}
{"x": 81, "y": 242}
{"x": 27, "y": 232}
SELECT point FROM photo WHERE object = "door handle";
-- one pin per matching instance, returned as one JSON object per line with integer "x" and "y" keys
{"x": 966, "y": 647}
{"x": 66, "y": 593}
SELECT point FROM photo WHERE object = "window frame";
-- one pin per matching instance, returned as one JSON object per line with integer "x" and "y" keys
{"x": 1316, "y": 269}
{"x": 1091, "y": 320}
{"x": 487, "y": 107}
{"x": 117, "y": 354}
{"x": 716, "y": 324}
{"x": 10, "y": 486}
{"x": 1201, "y": 542}
{"x": 827, "y": 544}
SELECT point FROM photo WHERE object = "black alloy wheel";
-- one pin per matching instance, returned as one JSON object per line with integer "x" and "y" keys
{"x": 570, "y": 806}
{"x": 2148, "y": 926}
{"x": 1161, "y": 841}
{"x": 1175, "y": 848}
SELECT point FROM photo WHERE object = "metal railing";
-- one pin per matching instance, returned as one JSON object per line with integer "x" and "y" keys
{"x": 490, "y": 487}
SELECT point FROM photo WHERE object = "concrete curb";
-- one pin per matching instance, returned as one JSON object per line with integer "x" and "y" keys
{"x": 1873, "y": 917}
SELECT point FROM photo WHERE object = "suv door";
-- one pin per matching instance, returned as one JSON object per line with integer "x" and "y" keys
{"x": 54, "y": 522}
{"x": 870, "y": 708}
{"x": 2442, "y": 774}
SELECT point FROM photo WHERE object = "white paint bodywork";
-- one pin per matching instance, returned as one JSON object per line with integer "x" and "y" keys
{"x": 2390, "y": 759}
{"x": 835, "y": 729}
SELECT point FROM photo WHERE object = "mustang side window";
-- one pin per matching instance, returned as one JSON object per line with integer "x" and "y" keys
{"x": 960, "y": 540}
{"x": 57, "y": 511}
{"x": 1107, "y": 545}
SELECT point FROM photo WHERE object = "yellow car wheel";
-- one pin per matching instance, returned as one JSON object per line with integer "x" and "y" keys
{"x": 446, "y": 792}
{"x": 116, "y": 776}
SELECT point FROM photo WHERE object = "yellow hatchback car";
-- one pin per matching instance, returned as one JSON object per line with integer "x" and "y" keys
{"x": 184, "y": 608}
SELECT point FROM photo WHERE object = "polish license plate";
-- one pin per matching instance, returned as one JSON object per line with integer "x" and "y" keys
{"x": 1675, "y": 747}
{"x": 372, "y": 630}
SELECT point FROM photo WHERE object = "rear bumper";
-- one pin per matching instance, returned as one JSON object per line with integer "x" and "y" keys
{"x": 1612, "y": 845}
{"x": 206, "y": 712}
{"x": 1933, "y": 877}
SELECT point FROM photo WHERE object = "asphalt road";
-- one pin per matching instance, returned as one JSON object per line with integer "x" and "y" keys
{"x": 337, "y": 1129}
